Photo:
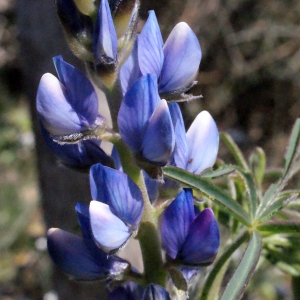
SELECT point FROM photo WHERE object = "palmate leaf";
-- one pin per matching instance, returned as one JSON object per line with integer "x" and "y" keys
{"x": 211, "y": 191}
{"x": 276, "y": 205}
{"x": 242, "y": 275}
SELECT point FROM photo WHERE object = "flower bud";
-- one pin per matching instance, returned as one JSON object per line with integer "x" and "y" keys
{"x": 87, "y": 7}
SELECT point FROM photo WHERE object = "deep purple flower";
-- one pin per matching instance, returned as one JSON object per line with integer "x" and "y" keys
{"x": 67, "y": 105}
{"x": 145, "y": 123}
{"x": 189, "y": 238}
{"x": 118, "y": 208}
{"x": 80, "y": 156}
{"x": 155, "y": 292}
{"x": 197, "y": 149}
{"x": 79, "y": 257}
{"x": 128, "y": 291}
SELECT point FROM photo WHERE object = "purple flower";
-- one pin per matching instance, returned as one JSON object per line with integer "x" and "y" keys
{"x": 79, "y": 257}
{"x": 118, "y": 208}
{"x": 175, "y": 63}
{"x": 128, "y": 291}
{"x": 80, "y": 156}
{"x": 67, "y": 105}
{"x": 189, "y": 238}
{"x": 145, "y": 122}
{"x": 155, "y": 292}
{"x": 197, "y": 149}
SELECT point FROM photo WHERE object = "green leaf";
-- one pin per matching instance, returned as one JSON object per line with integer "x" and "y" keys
{"x": 292, "y": 147}
{"x": 234, "y": 150}
{"x": 223, "y": 170}
{"x": 220, "y": 265}
{"x": 276, "y": 227}
{"x": 258, "y": 165}
{"x": 269, "y": 196}
{"x": 242, "y": 275}
{"x": 250, "y": 188}
{"x": 276, "y": 206}
{"x": 211, "y": 191}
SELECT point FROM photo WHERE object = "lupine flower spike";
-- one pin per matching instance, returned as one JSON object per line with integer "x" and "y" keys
{"x": 148, "y": 135}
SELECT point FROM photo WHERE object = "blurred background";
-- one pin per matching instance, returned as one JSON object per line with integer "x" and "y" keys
{"x": 250, "y": 81}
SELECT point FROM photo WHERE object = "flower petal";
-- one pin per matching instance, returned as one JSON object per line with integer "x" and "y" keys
{"x": 105, "y": 37}
{"x": 80, "y": 92}
{"x": 109, "y": 231}
{"x": 150, "y": 44}
{"x": 155, "y": 292}
{"x": 189, "y": 273}
{"x": 176, "y": 221}
{"x": 116, "y": 189}
{"x": 203, "y": 143}
{"x": 130, "y": 70}
{"x": 136, "y": 108}
{"x": 79, "y": 156}
{"x": 159, "y": 138}
{"x": 56, "y": 113}
{"x": 179, "y": 155}
{"x": 203, "y": 241}
{"x": 70, "y": 254}
{"x": 128, "y": 291}
{"x": 182, "y": 58}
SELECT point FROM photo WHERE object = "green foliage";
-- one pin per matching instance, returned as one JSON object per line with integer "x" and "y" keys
{"x": 262, "y": 211}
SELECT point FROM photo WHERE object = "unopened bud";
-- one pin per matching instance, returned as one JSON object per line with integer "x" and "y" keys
{"x": 87, "y": 7}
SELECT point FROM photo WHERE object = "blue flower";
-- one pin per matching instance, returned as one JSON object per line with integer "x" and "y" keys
{"x": 187, "y": 237}
{"x": 80, "y": 156}
{"x": 197, "y": 149}
{"x": 145, "y": 122}
{"x": 105, "y": 42}
{"x": 79, "y": 257}
{"x": 155, "y": 292}
{"x": 133, "y": 291}
{"x": 69, "y": 104}
{"x": 175, "y": 63}
{"x": 117, "y": 209}
{"x": 128, "y": 291}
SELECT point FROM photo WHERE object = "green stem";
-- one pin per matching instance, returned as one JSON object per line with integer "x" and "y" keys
{"x": 127, "y": 161}
{"x": 220, "y": 262}
{"x": 150, "y": 242}
{"x": 148, "y": 232}
{"x": 152, "y": 256}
